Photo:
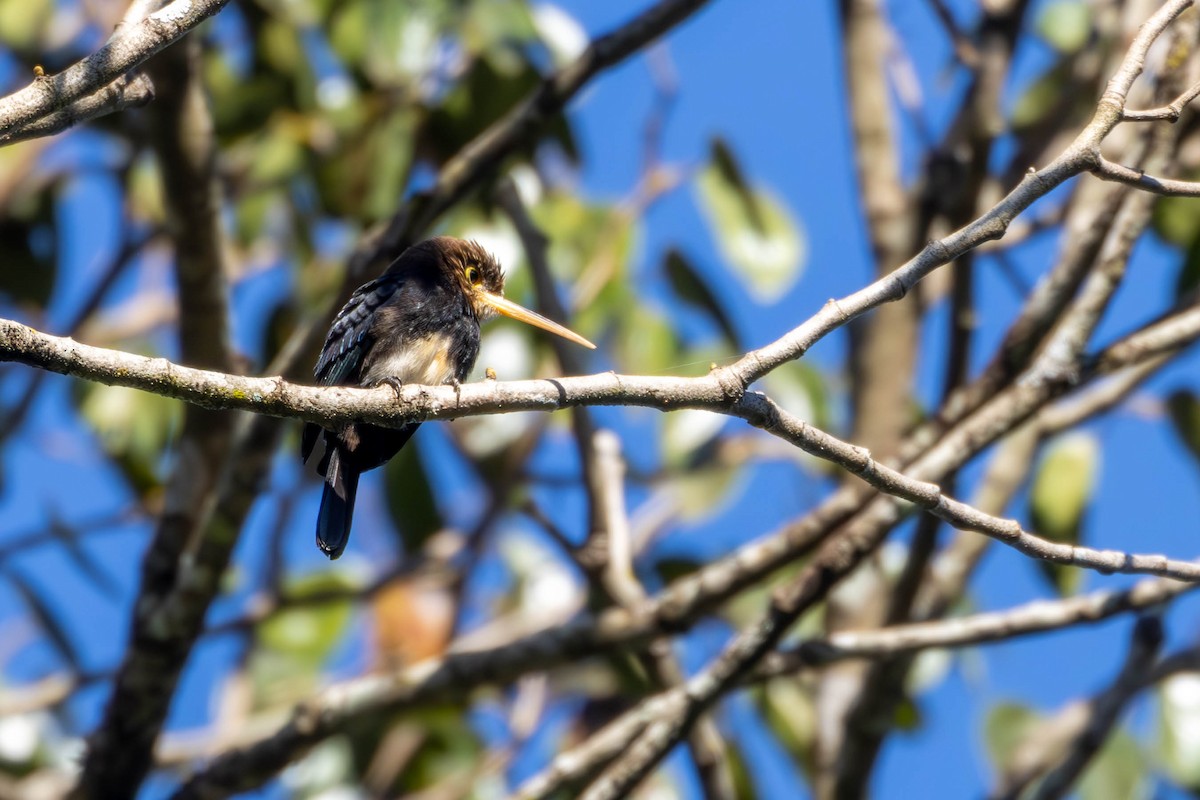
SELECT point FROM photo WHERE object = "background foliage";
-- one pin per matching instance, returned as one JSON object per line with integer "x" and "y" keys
{"x": 699, "y": 200}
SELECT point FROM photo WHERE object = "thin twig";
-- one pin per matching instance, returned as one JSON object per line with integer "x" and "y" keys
{"x": 1170, "y": 112}
{"x": 127, "y": 91}
{"x": 1168, "y": 187}
{"x": 132, "y": 45}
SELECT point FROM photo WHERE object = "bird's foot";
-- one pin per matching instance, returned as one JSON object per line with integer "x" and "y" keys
{"x": 457, "y": 384}
{"x": 394, "y": 382}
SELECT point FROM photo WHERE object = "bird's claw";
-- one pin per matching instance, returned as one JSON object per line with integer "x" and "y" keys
{"x": 394, "y": 382}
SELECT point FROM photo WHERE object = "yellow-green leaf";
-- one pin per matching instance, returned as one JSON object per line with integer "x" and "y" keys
{"x": 309, "y": 632}
{"x": 1184, "y": 409}
{"x": 1065, "y": 25}
{"x": 1062, "y": 491}
{"x": 1179, "y": 712}
{"x": 1006, "y": 727}
{"x": 410, "y": 499}
{"x": 753, "y": 230}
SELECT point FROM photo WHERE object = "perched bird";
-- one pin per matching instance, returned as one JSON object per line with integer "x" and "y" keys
{"x": 416, "y": 323}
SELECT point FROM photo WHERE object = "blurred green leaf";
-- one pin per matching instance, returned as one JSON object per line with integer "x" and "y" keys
{"x": 144, "y": 190}
{"x": 1006, "y": 726}
{"x": 28, "y": 243}
{"x": 1046, "y": 98}
{"x": 133, "y": 427}
{"x": 451, "y": 749}
{"x": 310, "y": 632}
{"x": 701, "y": 492}
{"x": 589, "y": 253}
{"x": 1062, "y": 490}
{"x": 253, "y": 211}
{"x": 1065, "y": 25}
{"x": 1178, "y": 221}
{"x": 295, "y": 13}
{"x": 30, "y": 743}
{"x": 495, "y": 26}
{"x": 739, "y": 771}
{"x": 755, "y": 233}
{"x": 402, "y": 40}
{"x": 690, "y": 287}
{"x": 560, "y": 32}
{"x": 1117, "y": 772}
{"x": 801, "y": 389}
{"x": 928, "y": 671}
{"x": 1184, "y": 409}
{"x": 390, "y": 157}
{"x": 646, "y": 342}
{"x": 477, "y": 100}
{"x": 685, "y": 433}
{"x": 350, "y": 31}
{"x": 278, "y": 155}
{"x": 24, "y": 23}
{"x": 672, "y": 569}
{"x": 327, "y": 770}
{"x": 410, "y": 499}
{"x": 366, "y": 175}
{"x": 1188, "y": 280}
{"x": 1178, "y": 749}
{"x": 790, "y": 713}
{"x": 280, "y": 324}
{"x": 280, "y": 47}
{"x": 279, "y": 679}
{"x": 295, "y": 642}
{"x": 242, "y": 104}
{"x": 906, "y": 716}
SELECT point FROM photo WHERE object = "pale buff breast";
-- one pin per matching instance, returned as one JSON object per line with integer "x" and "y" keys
{"x": 424, "y": 362}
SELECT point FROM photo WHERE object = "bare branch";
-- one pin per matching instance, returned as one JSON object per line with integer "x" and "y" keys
{"x": 485, "y": 154}
{"x": 130, "y": 47}
{"x": 1082, "y": 155}
{"x": 964, "y": 48}
{"x": 274, "y": 396}
{"x": 1039, "y": 616}
{"x": 120, "y": 750}
{"x": 1169, "y": 187}
{"x": 1081, "y": 729}
{"x": 1105, "y": 709}
{"x": 127, "y": 91}
{"x": 1169, "y": 113}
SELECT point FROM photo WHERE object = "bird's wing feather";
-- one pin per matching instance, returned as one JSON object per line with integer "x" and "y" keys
{"x": 346, "y": 344}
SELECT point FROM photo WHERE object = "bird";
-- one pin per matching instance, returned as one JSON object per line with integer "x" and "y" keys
{"x": 417, "y": 323}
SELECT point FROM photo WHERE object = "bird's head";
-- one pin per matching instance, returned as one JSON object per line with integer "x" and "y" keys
{"x": 477, "y": 273}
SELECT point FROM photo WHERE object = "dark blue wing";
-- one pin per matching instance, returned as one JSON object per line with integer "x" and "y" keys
{"x": 347, "y": 341}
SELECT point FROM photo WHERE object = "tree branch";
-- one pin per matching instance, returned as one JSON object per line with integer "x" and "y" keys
{"x": 1073, "y": 737}
{"x": 1169, "y": 187}
{"x": 120, "y": 751}
{"x": 1169, "y": 113}
{"x": 1082, "y": 155}
{"x": 485, "y": 154}
{"x": 332, "y": 405}
{"x": 131, "y": 46}
{"x": 128, "y": 91}
{"x": 1039, "y": 616}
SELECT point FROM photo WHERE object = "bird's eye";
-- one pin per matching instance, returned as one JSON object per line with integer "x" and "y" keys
{"x": 472, "y": 274}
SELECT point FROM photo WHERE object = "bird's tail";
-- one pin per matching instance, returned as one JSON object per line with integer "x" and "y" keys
{"x": 337, "y": 506}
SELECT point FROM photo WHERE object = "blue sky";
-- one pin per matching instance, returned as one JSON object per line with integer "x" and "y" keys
{"x": 767, "y": 76}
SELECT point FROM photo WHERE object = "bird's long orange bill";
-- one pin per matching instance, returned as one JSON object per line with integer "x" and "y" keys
{"x": 510, "y": 309}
